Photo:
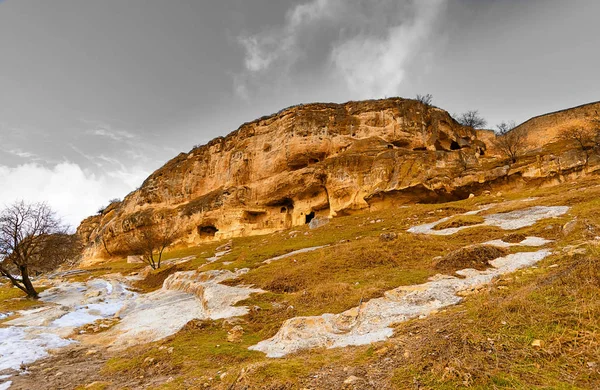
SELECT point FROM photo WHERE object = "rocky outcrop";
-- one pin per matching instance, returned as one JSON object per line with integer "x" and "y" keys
{"x": 313, "y": 161}
{"x": 545, "y": 128}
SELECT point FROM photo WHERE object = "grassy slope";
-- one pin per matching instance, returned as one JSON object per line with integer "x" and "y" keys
{"x": 483, "y": 343}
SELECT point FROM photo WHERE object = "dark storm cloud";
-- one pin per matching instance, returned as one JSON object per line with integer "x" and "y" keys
{"x": 97, "y": 94}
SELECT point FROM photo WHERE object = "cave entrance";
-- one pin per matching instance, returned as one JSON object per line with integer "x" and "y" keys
{"x": 454, "y": 146}
{"x": 207, "y": 231}
{"x": 310, "y": 216}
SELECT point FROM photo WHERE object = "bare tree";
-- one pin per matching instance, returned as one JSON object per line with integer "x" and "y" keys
{"x": 586, "y": 139}
{"x": 510, "y": 140}
{"x": 471, "y": 119}
{"x": 151, "y": 241}
{"x": 425, "y": 99}
{"x": 27, "y": 232}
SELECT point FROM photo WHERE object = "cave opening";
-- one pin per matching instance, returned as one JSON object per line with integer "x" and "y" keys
{"x": 310, "y": 216}
{"x": 454, "y": 146}
{"x": 207, "y": 231}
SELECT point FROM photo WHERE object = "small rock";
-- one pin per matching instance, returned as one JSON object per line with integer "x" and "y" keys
{"x": 58, "y": 373}
{"x": 149, "y": 360}
{"x": 225, "y": 247}
{"x": 235, "y": 334}
{"x": 222, "y": 376}
{"x": 537, "y": 343}
{"x": 591, "y": 364}
{"x": 553, "y": 266}
{"x": 91, "y": 352}
{"x": 318, "y": 222}
{"x": 387, "y": 237}
{"x": 471, "y": 196}
{"x": 569, "y": 227}
{"x": 499, "y": 194}
{"x": 351, "y": 379}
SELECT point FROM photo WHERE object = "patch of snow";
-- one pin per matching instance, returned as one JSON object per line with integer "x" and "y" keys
{"x": 294, "y": 253}
{"x": 5, "y": 315}
{"x": 529, "y": 241}
{"x": 5, "y": 385}
{"x": 372, "y": 320}
{"x": 26, "y": 345}
{"x": 512, "y": 220}
{"x": 218, "y": 255}
{"x": 185, "y": 296}
{"x": 34, "y": 332}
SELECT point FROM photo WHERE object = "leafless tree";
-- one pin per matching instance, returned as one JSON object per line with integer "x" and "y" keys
{"x": 471, "y": 119}
{"x": 586, "y": 139}
{"x": 425, "y": 99}
{"x": 510, "y": 140}
{"x": 27, "y": 233}
{"x": 151, "y": 241}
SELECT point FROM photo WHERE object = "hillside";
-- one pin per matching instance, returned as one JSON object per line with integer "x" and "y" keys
{"x": 433, "y": 266}
{"x": 322, "y": 160}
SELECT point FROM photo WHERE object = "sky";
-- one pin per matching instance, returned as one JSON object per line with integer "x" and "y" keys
{"x": 96, "y": 95}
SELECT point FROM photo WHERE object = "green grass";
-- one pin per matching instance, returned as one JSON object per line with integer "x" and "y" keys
{"x": 485, "y": 342}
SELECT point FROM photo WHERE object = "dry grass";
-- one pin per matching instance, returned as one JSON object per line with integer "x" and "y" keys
{"x": 477, "y": 257}
{"x": 560, "y": 307}
{"x": 459, "y": 221}
{"x": 483, "y": 343}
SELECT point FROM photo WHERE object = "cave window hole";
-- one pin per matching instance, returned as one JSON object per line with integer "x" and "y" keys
{"x": 310, "y": 216}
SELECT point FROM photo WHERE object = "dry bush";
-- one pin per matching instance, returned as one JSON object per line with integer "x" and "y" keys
{"x": 477, "y": 257}
{"x": 514, "y": 238}
{"x": 459, "y": 221}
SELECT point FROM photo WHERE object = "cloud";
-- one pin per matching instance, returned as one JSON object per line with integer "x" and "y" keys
{"x": 112, "y": 134}
{"x": 105, "y": 130}
{"x": 375, "y": 67}
{"x": 74, "y": 193}
{"x": 22, "y": 153}
{"x": 367, "y": 46}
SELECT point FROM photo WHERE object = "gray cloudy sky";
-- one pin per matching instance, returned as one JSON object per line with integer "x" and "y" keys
{"x": 95, "y": 95}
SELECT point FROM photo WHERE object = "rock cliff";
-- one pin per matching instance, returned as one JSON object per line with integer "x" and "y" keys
{"x": 316, "y": 160}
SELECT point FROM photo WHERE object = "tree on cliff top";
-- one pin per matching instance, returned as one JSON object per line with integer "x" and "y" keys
{"x": 425, "y": 99}
{"x": 471, "y": 119}
{"x": 28, "y": 234}
{"x": 510, "y": 140}
{"x": 150, "y": 242}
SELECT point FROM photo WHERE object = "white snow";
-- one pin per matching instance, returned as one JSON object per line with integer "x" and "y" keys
{"x": 30, "y": 336}
{"x": 294, "y": 253}
{"x": 372, "y": 321}
{"x": 26, "y": 345}
{"x": 185, "y": 296}
{"x": 5, "y": 315}
{"x": 507, "y": 221}
{"x": 5, "y": 385}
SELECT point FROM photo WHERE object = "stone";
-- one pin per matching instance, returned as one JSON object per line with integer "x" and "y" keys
{"x": 387, "y": 237}
{"x": 135, "y": 259}
{"x": 351, "y": 380}
{"x": 569, "y": 227}
{"x": 471, "y": 196}
{"x": 235, "y": 334}
{"x": 318, "y": 222}
{"x": 537, "y": 343}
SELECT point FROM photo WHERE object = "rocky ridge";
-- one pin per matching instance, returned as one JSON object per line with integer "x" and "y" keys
{"x": 323, "y": 160}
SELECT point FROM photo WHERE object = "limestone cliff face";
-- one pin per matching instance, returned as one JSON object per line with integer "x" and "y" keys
{"x": 545, "y": 128}
{"x": 316, "y": 160}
